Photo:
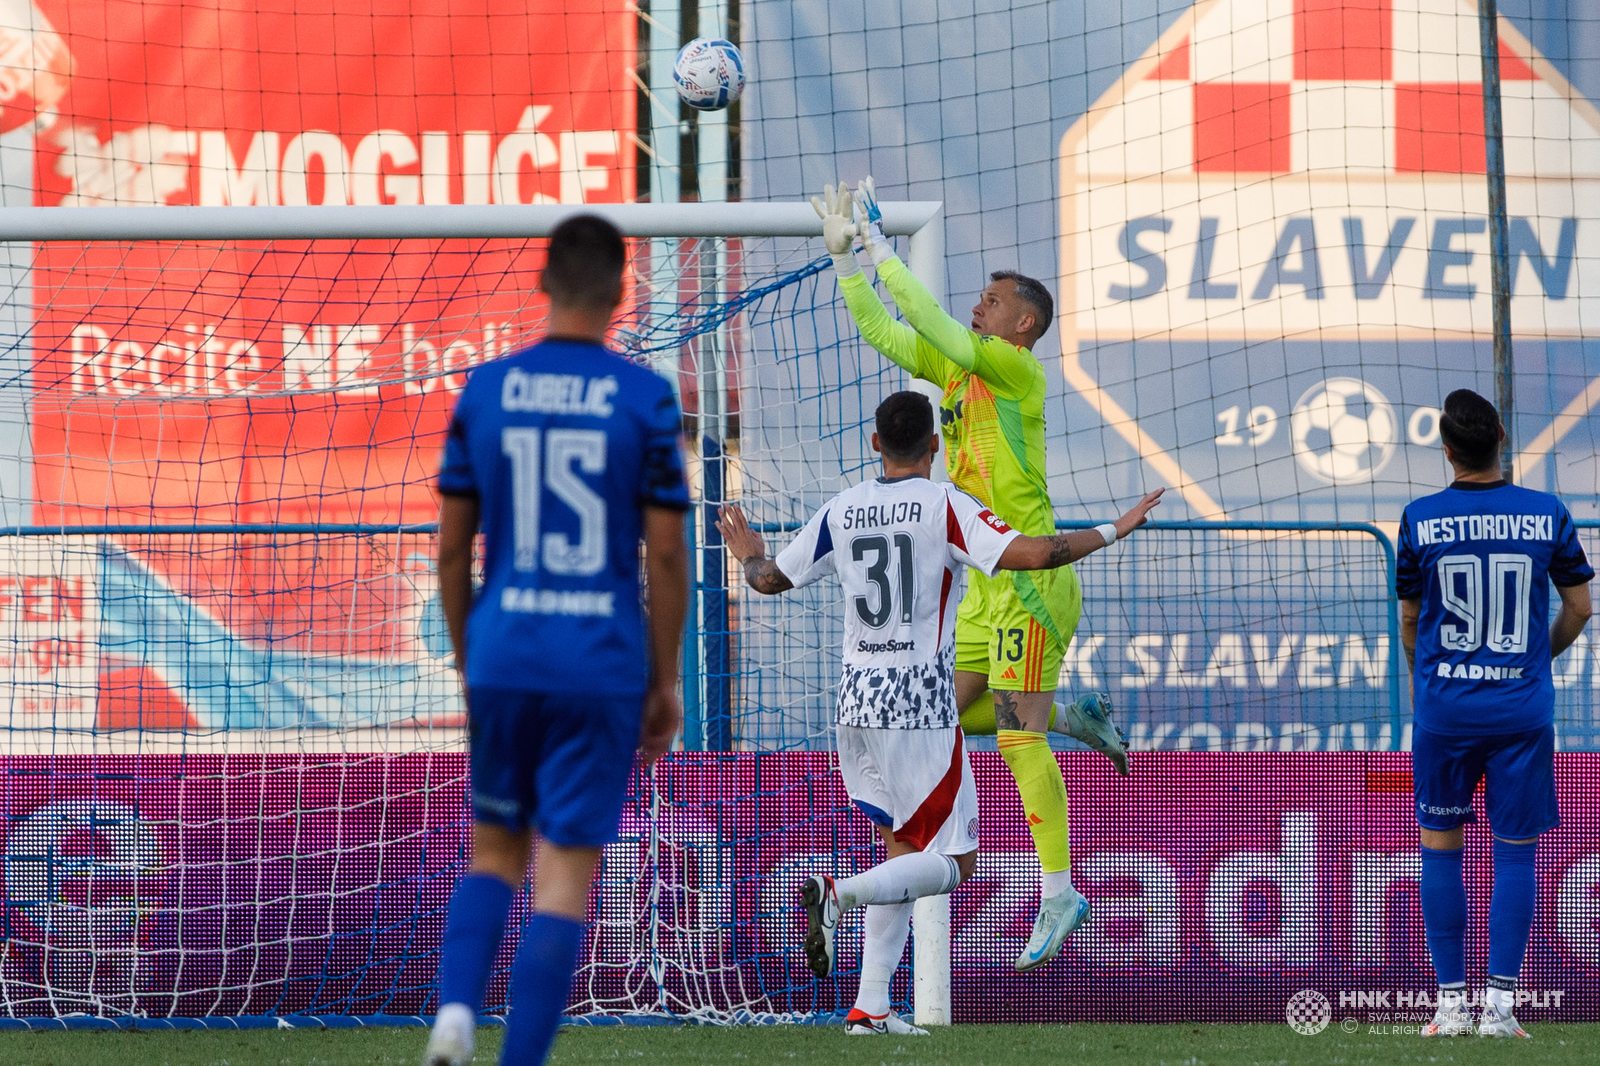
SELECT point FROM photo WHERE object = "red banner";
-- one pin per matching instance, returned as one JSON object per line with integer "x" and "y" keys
{"x": 294, "y": 382}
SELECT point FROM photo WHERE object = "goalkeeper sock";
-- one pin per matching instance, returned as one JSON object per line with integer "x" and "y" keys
{"x": 978, "y": 720}
{"x": 902, "y": 878}
{"x": 1516, "y": 889}
{"x": 472, "y": 935}
{"x": 1044, "y": 801}
{"x": 888, "y": 925}
{"x": 1444, "y": 913}
{"x": 541, "y": 981}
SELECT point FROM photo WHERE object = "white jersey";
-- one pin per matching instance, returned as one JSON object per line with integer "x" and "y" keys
{"x": 896, "y": 545}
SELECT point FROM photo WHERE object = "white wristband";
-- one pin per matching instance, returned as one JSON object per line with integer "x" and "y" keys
{"x": 846, "y": 265}
{"x": 1107, "y": 530}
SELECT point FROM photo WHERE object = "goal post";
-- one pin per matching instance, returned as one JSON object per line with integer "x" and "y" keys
{"x": 145, "y": 381}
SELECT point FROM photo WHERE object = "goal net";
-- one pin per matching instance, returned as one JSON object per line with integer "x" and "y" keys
{"x": 235, "y": 771}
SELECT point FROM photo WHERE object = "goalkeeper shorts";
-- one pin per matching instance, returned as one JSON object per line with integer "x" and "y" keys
{"x": 1015, "y": 627}
{"x": 915, "y": 782}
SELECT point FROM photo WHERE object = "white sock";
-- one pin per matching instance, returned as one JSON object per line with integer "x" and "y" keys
{"x": 1501, "y": 999}
{"x": 457, "y": 1020}
{"x": 902, "y": 878}
{"x": 888, "y": 925}
{"x": 1053, "y": 884}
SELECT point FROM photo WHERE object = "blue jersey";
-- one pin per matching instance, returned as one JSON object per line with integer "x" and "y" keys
{"x": 1481, "y": 558}
{"x": 564, "y": 444}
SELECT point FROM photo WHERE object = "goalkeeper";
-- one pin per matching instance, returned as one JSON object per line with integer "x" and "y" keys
{"x": 1012, "y": 630}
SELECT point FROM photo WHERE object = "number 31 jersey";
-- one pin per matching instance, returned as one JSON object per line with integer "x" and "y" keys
{"x": 1481, "y": 558}
{"x": 564, "y": 444}
{"x": 896, "y": 544}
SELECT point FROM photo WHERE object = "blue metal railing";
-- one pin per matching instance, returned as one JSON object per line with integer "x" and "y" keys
{"x": 1396, "y": 675}
{"x": 708, "y": 656}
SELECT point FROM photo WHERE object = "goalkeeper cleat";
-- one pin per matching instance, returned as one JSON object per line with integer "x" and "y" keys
{"x": 1088, "y": 719}
{"x": 860, "y": 1023}
{"x": 1059, "y": 915}
{"x": 1497, "y": 1019}
{"x": 450, "y": 1042}
{"x": 821, "y": 902}
{"x": 1452, "y": 1018}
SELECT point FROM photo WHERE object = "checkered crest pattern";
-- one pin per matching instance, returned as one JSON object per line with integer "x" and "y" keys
{"x": 1349, "y": 86}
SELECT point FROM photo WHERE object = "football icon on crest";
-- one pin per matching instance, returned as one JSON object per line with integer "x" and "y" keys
{"x": 1344, "y": 431}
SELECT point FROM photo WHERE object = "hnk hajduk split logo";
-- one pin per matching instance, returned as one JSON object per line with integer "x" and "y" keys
{"x": 1308, "y": 1012}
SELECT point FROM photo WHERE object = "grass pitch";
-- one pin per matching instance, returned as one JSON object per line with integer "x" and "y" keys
{"x": 967, "y": 1045}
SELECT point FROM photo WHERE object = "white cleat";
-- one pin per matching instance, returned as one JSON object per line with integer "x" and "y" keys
{"x": 1088, "y": 719}
{"x": 860, "y": 1023}
{"x": 450, "y": 1042}
{"x": 1497, "y": 1019}
{"x": 1452, "y": 1018}
{"x": 1059, "y": 915}
{"x": 821, "y": 902}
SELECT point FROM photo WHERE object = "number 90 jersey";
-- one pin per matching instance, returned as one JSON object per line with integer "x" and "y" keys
{"x": 896, "y": 544}
{"x": 564, "y": 444}
{"x": 1481, "y": 558}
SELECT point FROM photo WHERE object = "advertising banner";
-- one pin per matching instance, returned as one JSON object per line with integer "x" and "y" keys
{"x": 271, "y": 383}
{"x": 1222, "y": 885}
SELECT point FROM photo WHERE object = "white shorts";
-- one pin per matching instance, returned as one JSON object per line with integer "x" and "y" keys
{"x": 915, "y": 781}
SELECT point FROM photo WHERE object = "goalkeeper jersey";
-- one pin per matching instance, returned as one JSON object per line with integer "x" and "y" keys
{"x": 992, "y": 412}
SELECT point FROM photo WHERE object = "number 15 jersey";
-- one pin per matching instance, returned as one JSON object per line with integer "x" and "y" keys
{"x": 896, "y": 544}
{"x": 1481, "y": 558}
{"x": 564, "y": 444}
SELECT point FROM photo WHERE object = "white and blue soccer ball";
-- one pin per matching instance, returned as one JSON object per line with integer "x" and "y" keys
{"x": 709, "y": 73}
{"x": 1344, "y": 431}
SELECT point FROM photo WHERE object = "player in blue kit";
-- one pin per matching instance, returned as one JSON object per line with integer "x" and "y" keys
{"x": 566, "y": 455}
{"x": 1475, "y": 566}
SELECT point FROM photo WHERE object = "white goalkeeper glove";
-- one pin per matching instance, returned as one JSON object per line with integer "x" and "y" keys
{"x": 839, "y": 229}
{"x": 871, "y": 224}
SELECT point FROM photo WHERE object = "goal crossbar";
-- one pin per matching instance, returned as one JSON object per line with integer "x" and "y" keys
{"x": 394, "y": 222}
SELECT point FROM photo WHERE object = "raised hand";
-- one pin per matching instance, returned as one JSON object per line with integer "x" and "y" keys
{"x": 870, "y": 226}
{"x": 1139, "y": 514}
{"x": 834, "y": 207}
{"x": 741, "y": 540}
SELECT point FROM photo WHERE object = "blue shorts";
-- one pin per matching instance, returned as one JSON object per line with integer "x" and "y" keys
{"x": 556, "y": 761}
{"x": 1518, "y": 771}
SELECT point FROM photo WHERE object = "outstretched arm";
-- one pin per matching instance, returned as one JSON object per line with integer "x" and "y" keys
{"x": 760, "y": 572}
{"x": 895, "y": 340}
{"x": 943, "y": 333}
{"x": 1046, "y": 553}
{"x": 926, "y": 318}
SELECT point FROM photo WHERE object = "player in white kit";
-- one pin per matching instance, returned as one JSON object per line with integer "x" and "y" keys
{"x": 896, "y": 543}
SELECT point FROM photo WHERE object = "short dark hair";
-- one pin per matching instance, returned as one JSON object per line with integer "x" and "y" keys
{"x": 583, "y": 265}
{"x": 1034, "y": 294}
{"x": 1470, "y": 425}
{"x": 904, "y": 422}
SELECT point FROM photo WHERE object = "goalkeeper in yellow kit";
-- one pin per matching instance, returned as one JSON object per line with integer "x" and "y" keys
{"x": 1012, "y": 630}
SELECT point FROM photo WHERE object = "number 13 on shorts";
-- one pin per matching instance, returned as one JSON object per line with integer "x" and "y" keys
{"x": 1008, "y": 644}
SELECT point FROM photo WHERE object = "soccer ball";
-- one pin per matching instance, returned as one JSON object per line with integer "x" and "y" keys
{"x": 1344, "y": 431}
{"x": 709, "y": 73}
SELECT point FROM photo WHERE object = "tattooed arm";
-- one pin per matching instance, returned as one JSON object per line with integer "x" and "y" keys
{"x": 760, "y": 571}
{"x": 1046, "y": 553}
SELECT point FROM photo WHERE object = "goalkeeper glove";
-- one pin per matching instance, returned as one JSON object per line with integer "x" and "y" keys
{"x": 871, "y": 228}
{"x": 838, "y": 228}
